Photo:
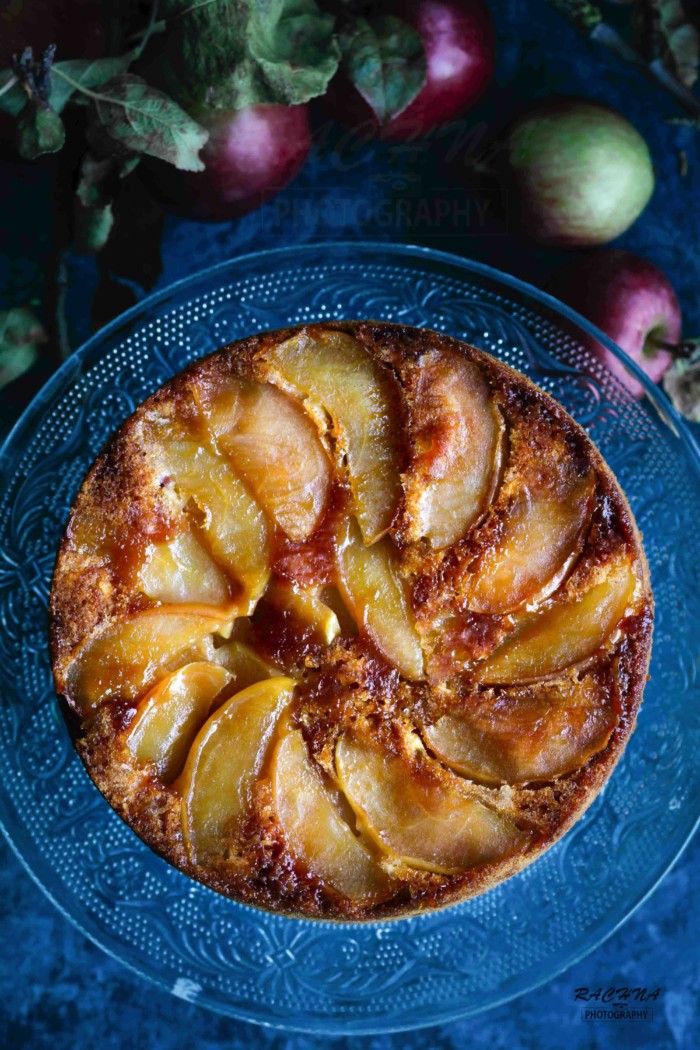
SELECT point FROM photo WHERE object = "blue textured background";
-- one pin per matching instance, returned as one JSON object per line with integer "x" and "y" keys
{"x": 58, "y": 989}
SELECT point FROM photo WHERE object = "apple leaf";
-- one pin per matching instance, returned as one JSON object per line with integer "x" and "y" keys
{"x": 12, "y": 95}
{"x": 39, "y": 130}
{"x": 93, "y": 215}
{"x": 385, "y": 59}
{"x": 293, "y": 45}
{"x": 140, "y": 119}
{"x": 228, "y": 54}
{"x": 21, "y": 334}
{"x": 82, "y": 74}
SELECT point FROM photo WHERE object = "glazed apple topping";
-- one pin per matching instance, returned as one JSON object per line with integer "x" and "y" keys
{"x": 232, "y": 523}
{"x": 224, "y": 763}
{"x": 562, "y": 634}
{"x": 181, "y": 570}
{"x": 377, "y": 598}
{"x": 129, "y": 655}
{"x": 275, "y": 447}
{"x": 243, "y": 663}
{"x": 306, "y": 605}
{"x": 526, "y": 734}
{"x": 419, "y": 813}
{"x": 337, "y": 376}
{"x": 539, "y": 537}
{"x": 309, "y": 813}
{"x": 170, "y": 715}
{"x": 456, "y": 433}
{"x": 366, "y": 621}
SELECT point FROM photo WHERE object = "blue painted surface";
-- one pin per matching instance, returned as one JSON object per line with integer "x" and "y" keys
{"x": 56, "y": 988}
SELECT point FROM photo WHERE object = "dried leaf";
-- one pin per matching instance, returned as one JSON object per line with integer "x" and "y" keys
{"x": 140, "y": 119}
{"x": 39, "y": 130}
{"x": 21, "y": 334}
{"x": 385, "y": 59}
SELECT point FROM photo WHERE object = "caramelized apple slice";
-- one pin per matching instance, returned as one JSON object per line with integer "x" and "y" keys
{"x": 561, "y": 635}
{"x": 540, "y": 534}
{"x": 225, "y": 761}
{"x": 275, "y": 447}
{"x": 314, "y": 830}
{"x": 182, "y": 571}
{"x": 304, "y": 605}
{"x": 337, "y": 375}
{"x": 377, "y": 598}
{"x": 243, "y": 663}
{"x": 419, "y": 812}
{"x": 129, "y": 655}
{"x": 527, "y": 734}
{"x": 170, "y": 716}
{"x": 234, "y": 525}
{"x": 456, "y": 431}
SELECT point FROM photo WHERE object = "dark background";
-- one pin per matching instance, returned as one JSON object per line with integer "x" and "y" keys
{"x": 56, "y": 988}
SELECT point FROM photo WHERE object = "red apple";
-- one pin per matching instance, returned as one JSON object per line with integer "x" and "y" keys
{"x": 579, "y": 173}
{"x": 632, "y": 301}
{"x": 251, "y": 155}
{"x": 459, "y": 45}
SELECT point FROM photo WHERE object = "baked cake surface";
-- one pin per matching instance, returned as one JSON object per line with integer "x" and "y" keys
{"x": 353, "y": 620}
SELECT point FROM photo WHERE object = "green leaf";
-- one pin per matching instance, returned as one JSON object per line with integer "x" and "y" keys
{"x": 293, "y": 45}
{"x": 12, "y": 96}
{"x": 385, "y": 59}
{"x": 92, "y": 227}
{"x": 83, "y": 73}
{"x": 228, "y": 54}
{"x": 21, "y": 334}
{"x": 93, "y": 214}
{"x": 39, "y": 130}
{"x": 140, "y": 119}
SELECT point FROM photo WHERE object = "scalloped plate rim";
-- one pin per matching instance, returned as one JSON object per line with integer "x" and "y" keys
{"x": 70, "y": 371}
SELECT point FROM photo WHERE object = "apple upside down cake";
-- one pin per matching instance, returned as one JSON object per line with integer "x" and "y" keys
{"x": 353, "y": 620}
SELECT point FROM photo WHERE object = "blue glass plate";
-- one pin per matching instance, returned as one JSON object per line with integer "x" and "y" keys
{"x": 319, "y": 976}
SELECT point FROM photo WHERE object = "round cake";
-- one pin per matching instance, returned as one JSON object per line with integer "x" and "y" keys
{"x": 352, "y": 621}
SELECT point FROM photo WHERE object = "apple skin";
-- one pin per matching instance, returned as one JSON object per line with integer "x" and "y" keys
{"x": 251, "y": 155}
{"x": 459, "y": 43}
{"x": 580, "y": 174}
{"x": 632, "y": 301}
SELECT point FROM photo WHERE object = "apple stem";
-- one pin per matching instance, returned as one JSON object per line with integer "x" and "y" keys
{"x": 683, "y": 350}
{"x": 588, "y": 20}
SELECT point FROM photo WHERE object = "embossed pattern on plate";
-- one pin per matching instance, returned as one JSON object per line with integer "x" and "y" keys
{"x": 319, "y": 976}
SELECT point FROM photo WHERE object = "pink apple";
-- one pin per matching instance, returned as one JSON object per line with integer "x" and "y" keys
{"x": 629, "y": 299}
{"x": 459, "y": 45}
{"x": 251, "y": 155}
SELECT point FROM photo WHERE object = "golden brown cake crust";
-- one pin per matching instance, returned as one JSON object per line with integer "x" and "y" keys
{"x": 122, "y": 507}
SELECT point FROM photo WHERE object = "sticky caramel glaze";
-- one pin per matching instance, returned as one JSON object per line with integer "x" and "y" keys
{"x": 348, "y": 685}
